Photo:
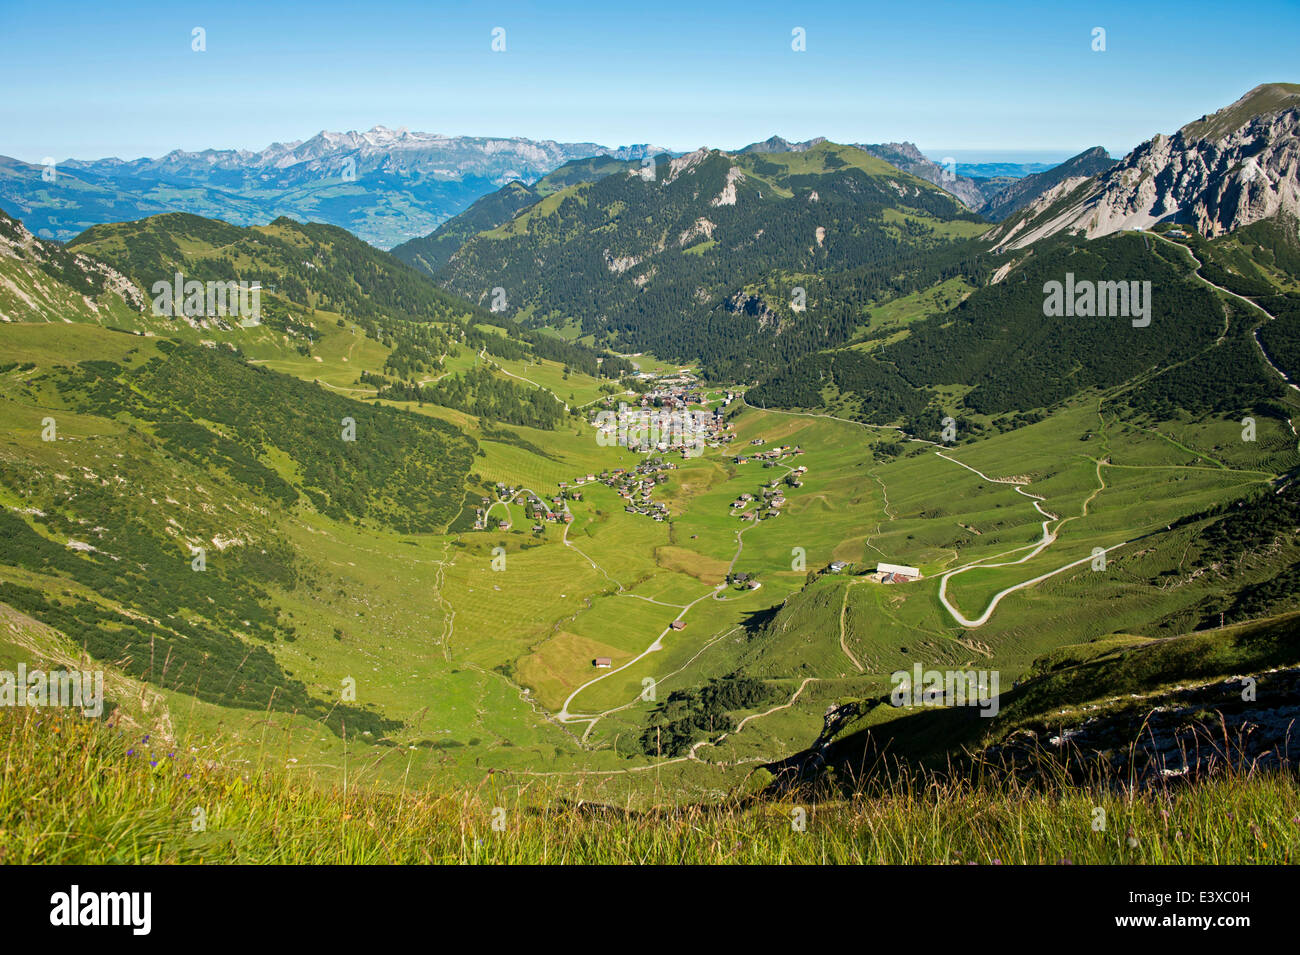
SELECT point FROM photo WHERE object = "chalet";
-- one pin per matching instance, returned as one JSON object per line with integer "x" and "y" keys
{"x": 678, "y": 625}
{"x": 837, "y": 566}
{"x": 602, "y": 663}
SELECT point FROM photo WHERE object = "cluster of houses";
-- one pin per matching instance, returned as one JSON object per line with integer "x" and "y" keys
{"x": 636, "y": 486}
{"x": 671, "y": 418}
{"x": 771, "y": 455}
{"x": 540, "y": 511}
{"x": 766, "y": 504}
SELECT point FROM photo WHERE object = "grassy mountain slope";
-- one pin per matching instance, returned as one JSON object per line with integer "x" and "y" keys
{"x": 1107, "y": 699}
{"x": 125, "y": 453}
{"x": 314, "y": 265}
{"x": 352, "y": 549}
{"x": 146, "y": 814}
{"x": 316, "y": 274}
{"x": 1268, "y": 99}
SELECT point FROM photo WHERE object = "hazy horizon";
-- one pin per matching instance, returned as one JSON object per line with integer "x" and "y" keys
{"x": 678, "y": 75}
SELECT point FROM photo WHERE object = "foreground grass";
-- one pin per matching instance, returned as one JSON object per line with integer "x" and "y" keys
{"x": 74, "y": 791}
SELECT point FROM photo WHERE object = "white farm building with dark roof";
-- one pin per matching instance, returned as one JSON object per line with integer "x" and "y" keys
{"x": 897, "y": 572}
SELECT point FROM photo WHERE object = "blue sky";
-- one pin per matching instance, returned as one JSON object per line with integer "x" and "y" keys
{"x": 969, "y": 80}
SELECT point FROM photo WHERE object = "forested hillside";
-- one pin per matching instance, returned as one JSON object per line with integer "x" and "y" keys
{"x": 1195, "y": 356}
{"x": 308, "y": 269}
{"x": 739, "y": 261}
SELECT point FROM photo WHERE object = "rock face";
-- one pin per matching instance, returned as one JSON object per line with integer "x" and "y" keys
{"x": 910, "y": 159}
{"x": 43, "y": 265}
{"x": 1020, "y": 192}
{"x": 1222, "y": 172}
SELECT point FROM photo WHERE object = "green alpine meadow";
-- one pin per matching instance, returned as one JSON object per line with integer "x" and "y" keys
{"x": 399, "y": 497}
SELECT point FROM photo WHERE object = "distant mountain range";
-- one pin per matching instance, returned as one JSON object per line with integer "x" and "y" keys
{"x": 386, "y": 186}
{"x": 383, "y": 185}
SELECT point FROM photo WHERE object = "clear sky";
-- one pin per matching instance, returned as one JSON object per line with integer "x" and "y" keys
{"x": 999, "y": 80}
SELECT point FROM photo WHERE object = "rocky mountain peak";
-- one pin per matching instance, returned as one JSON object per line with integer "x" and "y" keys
{"x": 1217, "y": 174}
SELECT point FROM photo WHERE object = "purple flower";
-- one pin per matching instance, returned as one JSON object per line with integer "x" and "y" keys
{"x": 130, "y": 752}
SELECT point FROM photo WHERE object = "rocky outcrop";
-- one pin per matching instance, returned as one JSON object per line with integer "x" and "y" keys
{"x": 1020, "y": 192}
{"x": 1218, "y": 174}
{"x": 75, "y": 269}
{"x": 754, "y": 306}
{"x": 908, "y": 158}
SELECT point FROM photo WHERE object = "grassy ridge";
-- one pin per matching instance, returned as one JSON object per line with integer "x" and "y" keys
{"x": 74, "y": 791}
